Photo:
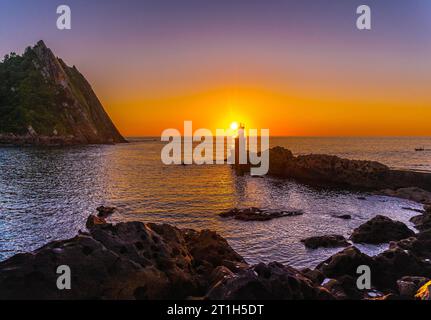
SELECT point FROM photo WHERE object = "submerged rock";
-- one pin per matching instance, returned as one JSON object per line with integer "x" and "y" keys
{"x": 343, "y": 216}
{"x": 381, "y": 229}
{"x": 329, "y": 241}
{"x": 257, "y": 214}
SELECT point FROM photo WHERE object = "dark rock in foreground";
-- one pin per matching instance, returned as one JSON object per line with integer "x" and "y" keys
{"x": 256, "y": 214}
{"x": 124, "y": 261}
{"x": 381, "y": 229}
{"x": 423, "y": 222}
{"x": 408, "y": 257}
{"x": 329, "y": 241}
{"x": 268, "y": 282}
{"x": 148, "y": 261}
{"x": 409, "y": 286}
{"x": 343, "y": 263}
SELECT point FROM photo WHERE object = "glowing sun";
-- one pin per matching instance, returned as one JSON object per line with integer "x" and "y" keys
{"x": 234, "y": 126}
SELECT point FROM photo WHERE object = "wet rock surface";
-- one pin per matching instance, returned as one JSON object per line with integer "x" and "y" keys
{"x": 271, "y": 281}
{"x": 329, "y": 241}
{"x": 381, "y": 229}
{"x": 257, "y": 214}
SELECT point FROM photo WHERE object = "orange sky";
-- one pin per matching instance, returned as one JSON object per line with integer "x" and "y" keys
{"x": 295, "y": 114}
{"x": 295, "y": 67}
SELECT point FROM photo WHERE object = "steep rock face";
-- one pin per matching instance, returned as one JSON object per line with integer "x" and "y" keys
{"x": 43, "y": 101}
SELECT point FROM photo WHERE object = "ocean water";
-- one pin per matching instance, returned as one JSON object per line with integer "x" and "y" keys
{"x": 47, "y": 194}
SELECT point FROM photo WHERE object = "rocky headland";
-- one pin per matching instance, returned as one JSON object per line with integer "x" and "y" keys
{"x": 322, "y": 170}
{"x": 45, "y": 102}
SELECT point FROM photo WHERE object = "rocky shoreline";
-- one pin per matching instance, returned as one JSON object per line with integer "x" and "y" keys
{"x": 323, "y": 170}
{"x": 29, "y": 140}
{"x": 137, "y": 260}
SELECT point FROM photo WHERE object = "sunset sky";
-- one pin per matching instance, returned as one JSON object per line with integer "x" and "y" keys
{"x": 297, "y": 67}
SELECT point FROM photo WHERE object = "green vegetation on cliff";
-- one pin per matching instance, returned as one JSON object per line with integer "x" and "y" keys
{"x": 27, "y": 98}
{"x": 41, "y": 96}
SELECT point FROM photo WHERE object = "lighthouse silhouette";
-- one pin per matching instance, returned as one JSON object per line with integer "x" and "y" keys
{"x": 241, "y": 154}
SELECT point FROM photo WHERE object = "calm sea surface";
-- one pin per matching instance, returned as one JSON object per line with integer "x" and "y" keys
{"x": 47, "y": 194}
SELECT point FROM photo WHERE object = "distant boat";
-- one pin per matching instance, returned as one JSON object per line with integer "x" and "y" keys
{"x": 420, "y": 149}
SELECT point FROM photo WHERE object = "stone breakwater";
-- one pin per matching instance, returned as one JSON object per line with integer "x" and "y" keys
{"x": 137, "y": 260}
{"x": 326, "y": 170}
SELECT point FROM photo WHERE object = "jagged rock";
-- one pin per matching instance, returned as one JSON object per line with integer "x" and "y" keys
{"x": 105, "y": 212}
{"x": 391, "y": 265}
{"x": 257, "y": 214}
{"x": 381, "y": 229}
{"x": 314, "y": 275}
{"x": 97, "y": 273}
{"x": 329, "y": 241}
{"x": 92, "y": 221}
{"x": 57, "y": 106}
{"x": 125, "y": 261}
{"x": 343, "y": 263}
{"x": 344, "y": 288}
{"x": 408, "y": 286}
{"x": 423, "y": 221}
{"x": 219, "y": 274}
{"x": 210, "y": 250}
{"x": 266, "y": 282}
{"x": 419, "y": 245}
